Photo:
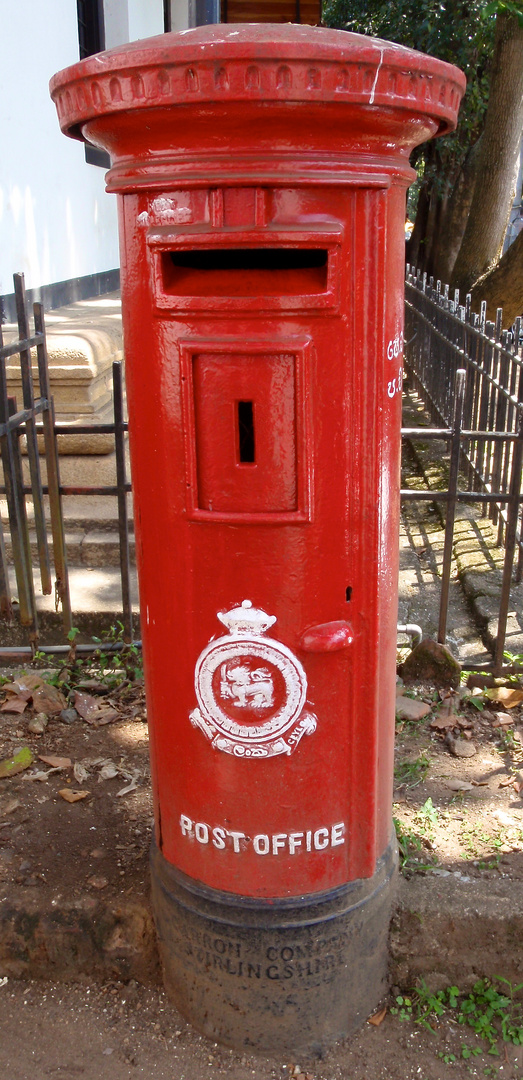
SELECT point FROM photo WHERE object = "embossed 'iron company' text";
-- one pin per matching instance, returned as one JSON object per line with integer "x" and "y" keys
{"x": 309, "y": 962}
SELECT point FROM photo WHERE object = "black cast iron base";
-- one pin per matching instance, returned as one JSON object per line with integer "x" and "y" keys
{"x": 278, "y": 975}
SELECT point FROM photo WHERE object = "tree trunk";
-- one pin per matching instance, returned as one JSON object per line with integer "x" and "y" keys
{"x": 416, "y": 248}
{"x": 503, "y": 286}
{"x": 498, "y": 158}
{"x": 414, "y": 244}
{"x": 431, "y": 234}
{"x": 454, "y": 221}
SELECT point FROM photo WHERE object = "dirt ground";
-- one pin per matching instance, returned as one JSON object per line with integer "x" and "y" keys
{"x": 454, "y": 814}
{"x": 100, "y": 842}
{"x": 461, "y": 814}
{"x": 117, "y": 1032}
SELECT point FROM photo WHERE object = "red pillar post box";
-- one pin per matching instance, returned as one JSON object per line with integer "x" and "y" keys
{"x": 261, "y": 175}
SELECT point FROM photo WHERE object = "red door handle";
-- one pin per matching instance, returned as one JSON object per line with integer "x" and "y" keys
{"x": 327, "y": 637}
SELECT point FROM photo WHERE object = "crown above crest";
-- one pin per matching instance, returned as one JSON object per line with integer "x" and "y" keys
{"x": 246, "y": 619}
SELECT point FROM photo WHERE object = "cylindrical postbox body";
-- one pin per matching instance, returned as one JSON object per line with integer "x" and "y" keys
{"x": 261, "y": 175}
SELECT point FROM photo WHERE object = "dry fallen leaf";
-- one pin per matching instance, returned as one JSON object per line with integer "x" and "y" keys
{"x": 378, "y": 1017}
{"x": 509, "y": 696}
{"x": 55, "y": 762}
{"x": 14, "y": 688}
{"x": 42, "y": 776}
{"x": 49, "y": 700}
{"x": 80, "y": 772}
{"x": 73, "y": 796}
{"x": 14, "y": 704}
{"x": 127, "y": 789}
{"x": 106, "y": 715}
{"x": 108, "y": 772}
{"x": 25, "y": 684}
{"x": 20, "y": 761}
{"x": 93, "y": 711}
{"x": 87, "y": 706}
{"x": 513, "y": 781}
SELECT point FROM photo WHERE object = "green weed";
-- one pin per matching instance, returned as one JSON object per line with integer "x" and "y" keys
{"x": 515, "y": 660}
{"x": 427, "y": 817}
{"x": 412, "y": 773}
{"x": 409, "y": 843}
{"x": 403, "y": 1008}
{"x": 470, "y": 1051}
{"x": 113, "y": 662}
{"x": 477, "y": 701}
{"x": 507, "y": 743}
{"x": 491, "y": 1013}
{"x": 490, "y": 864}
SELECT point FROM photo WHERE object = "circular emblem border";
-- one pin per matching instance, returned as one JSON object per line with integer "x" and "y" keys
{"x": 273, "y": 652}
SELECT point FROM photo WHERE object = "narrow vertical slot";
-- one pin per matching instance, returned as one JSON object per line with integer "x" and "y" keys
{"x": 246, "y": 442}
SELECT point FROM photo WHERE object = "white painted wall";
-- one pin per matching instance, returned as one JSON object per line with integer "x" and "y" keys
{"x": 116, "y": 23}
{"x": 56, "y": 221}
{"x": 145, "y": 19}
{"x": 179, "y": 14}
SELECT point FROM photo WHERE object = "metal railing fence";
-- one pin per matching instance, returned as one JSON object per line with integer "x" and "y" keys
{"x": 16, "y": 423}
{"x": 468, "y": 373}
{"x": 13, "y": 423}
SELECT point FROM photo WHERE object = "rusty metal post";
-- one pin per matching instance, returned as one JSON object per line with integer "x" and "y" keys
{"x": 455, "y": 448}
{"x": 62, "y": 593}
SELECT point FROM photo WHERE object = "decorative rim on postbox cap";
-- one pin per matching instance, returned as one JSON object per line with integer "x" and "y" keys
{"x": 257, "y": 62}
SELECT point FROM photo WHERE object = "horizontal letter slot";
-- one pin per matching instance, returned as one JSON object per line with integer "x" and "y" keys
{"x": 245, "y": 272}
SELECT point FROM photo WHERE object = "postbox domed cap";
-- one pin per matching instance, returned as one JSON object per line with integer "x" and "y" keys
{"x": 257, "y": 62}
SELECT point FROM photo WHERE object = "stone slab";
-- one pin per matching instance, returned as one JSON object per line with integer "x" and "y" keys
{"x": 83, "y": 340}
{"x": 85, "y": 937}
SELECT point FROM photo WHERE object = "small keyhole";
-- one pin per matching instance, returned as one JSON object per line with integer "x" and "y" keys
{"x": 246, "y": 432}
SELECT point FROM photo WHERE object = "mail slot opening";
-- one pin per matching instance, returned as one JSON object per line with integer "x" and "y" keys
{"x": 246, "y": 443}
{"x": 246, "y": 271}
